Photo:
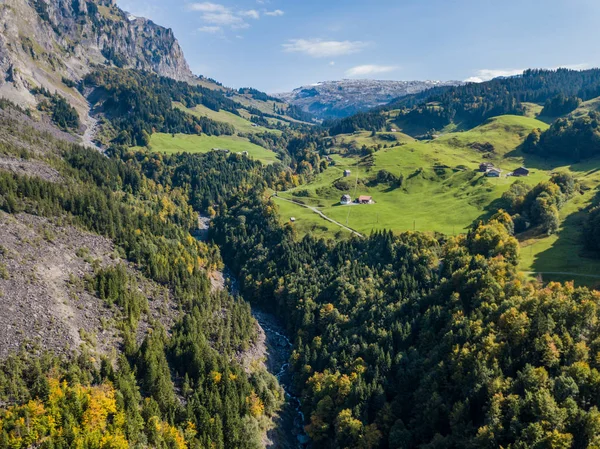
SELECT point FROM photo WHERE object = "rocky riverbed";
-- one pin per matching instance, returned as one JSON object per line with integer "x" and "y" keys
{"x": 275, "y": 348}
{"x": 289, "y": 426}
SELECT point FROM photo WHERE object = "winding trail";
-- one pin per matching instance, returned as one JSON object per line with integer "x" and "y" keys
{"x": 321, "y": 214}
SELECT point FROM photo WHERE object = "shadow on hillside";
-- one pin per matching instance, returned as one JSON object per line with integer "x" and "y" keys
{"x": 569, "y": 239}
{"x": 569, "y": 252}
{"x": 533, "y": 162}
{"x": 489, "y": 211}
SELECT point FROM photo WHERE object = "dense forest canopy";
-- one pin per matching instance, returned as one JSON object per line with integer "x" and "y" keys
{"x": 400, "y": 340}
{"x": 173, "y": 390}
{"x": 408, "y": 341}
{"x": 560, "y": 105}
{"x": 573, "y": 139}
{"x": 370, "y": 121}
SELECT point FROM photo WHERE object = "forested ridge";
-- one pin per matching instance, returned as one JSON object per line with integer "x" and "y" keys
{"x": 475, "y": 102}
{"x": 139, "y": 103}
{"x": 176, "y": 389}
{"x": 572, "y": 139}
{"x": 471, "y": 104}
{"x": 410, "y": 341}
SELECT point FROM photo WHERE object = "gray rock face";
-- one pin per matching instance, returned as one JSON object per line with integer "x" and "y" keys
{"x": 47, "y": 43}
{"x": 332, "y": 99}
{"x": 44, "y": 41}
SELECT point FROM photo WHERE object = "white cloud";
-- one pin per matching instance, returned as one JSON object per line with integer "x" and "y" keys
{"x": 276, "y": 13}
{"x": 369, "y": 70}
{"x": 208, "y": 7}
{"x": 318, "y": 48}
{"x": 210, "y": 29}
{"x": 223, "y": 18}
{"x": 214, "y": 14}
{"x": 489, "y": 74}
{"x": 332, "y": 63}
{"x": 252, "y": 13}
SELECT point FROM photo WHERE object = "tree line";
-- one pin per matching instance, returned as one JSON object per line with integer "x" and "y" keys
{"x": 570, "y": 138}
{"x": 140, "y": 103}
{"x": 471, "y": 104}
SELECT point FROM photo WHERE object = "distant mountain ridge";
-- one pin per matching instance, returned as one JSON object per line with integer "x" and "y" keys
{"x": 335, "y": 99}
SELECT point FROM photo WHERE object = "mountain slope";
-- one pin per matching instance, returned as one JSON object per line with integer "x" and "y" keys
{"x": 52, "y": 44}
{"x": 334, "y": 99}
{"x": 103, "y": 286}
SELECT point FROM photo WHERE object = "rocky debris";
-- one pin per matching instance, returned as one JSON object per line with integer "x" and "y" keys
{"x": 43, "y": 298}
{"x": 22, "y": 133}
{"x": 217, "y": 280}
{"x": 25, "y": 147}
{"x": 485, "y": 147}
{"x": 288, "y": 431}
{"x": 29, "y": 168}
{"x": 334, "y": 99}
{"x": 255, "y": 357}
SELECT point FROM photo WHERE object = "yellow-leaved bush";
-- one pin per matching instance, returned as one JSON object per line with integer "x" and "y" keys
{"x": 75, "y": 416}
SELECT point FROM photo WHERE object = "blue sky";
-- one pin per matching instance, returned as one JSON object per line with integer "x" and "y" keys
{"x": 277, "y": 45}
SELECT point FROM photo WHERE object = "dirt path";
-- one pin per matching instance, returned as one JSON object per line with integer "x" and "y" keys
{"x": 321, "y": 214}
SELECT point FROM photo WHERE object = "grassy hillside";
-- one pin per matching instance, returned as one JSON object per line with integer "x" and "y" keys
{"x": 587, "y": 107}
{"x": 443, "y": 192}
{"x": 306, "y": 221}
{"x": 365, "y": 138}
{"x": 166, "y": 143}
{"x": 240, "y": 124}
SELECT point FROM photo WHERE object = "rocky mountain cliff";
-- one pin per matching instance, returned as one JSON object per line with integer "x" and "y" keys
{"x": 334, "y": 99}
{"x": 51, "y": 43}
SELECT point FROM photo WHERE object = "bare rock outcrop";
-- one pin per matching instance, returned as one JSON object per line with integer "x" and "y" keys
{"x": 45, "y": 304}
{"x": 53, "y": 44}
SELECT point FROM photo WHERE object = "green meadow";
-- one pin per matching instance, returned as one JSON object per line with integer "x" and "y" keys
{"x": 241, "y": 124}
{"x": 443, "y": 192}
{"x": 191, "y": 143}
{"x": 306, "y": 221}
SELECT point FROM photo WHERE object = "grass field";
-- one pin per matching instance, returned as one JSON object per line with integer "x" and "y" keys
{"x": 443, "y": 192}
{"x": 587, "y": 107}
{"x": 365, "y": 138}
{"x": 306, "y": 221}
{"x": 240, "y": 124}
{"x": 166, "y": 143}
